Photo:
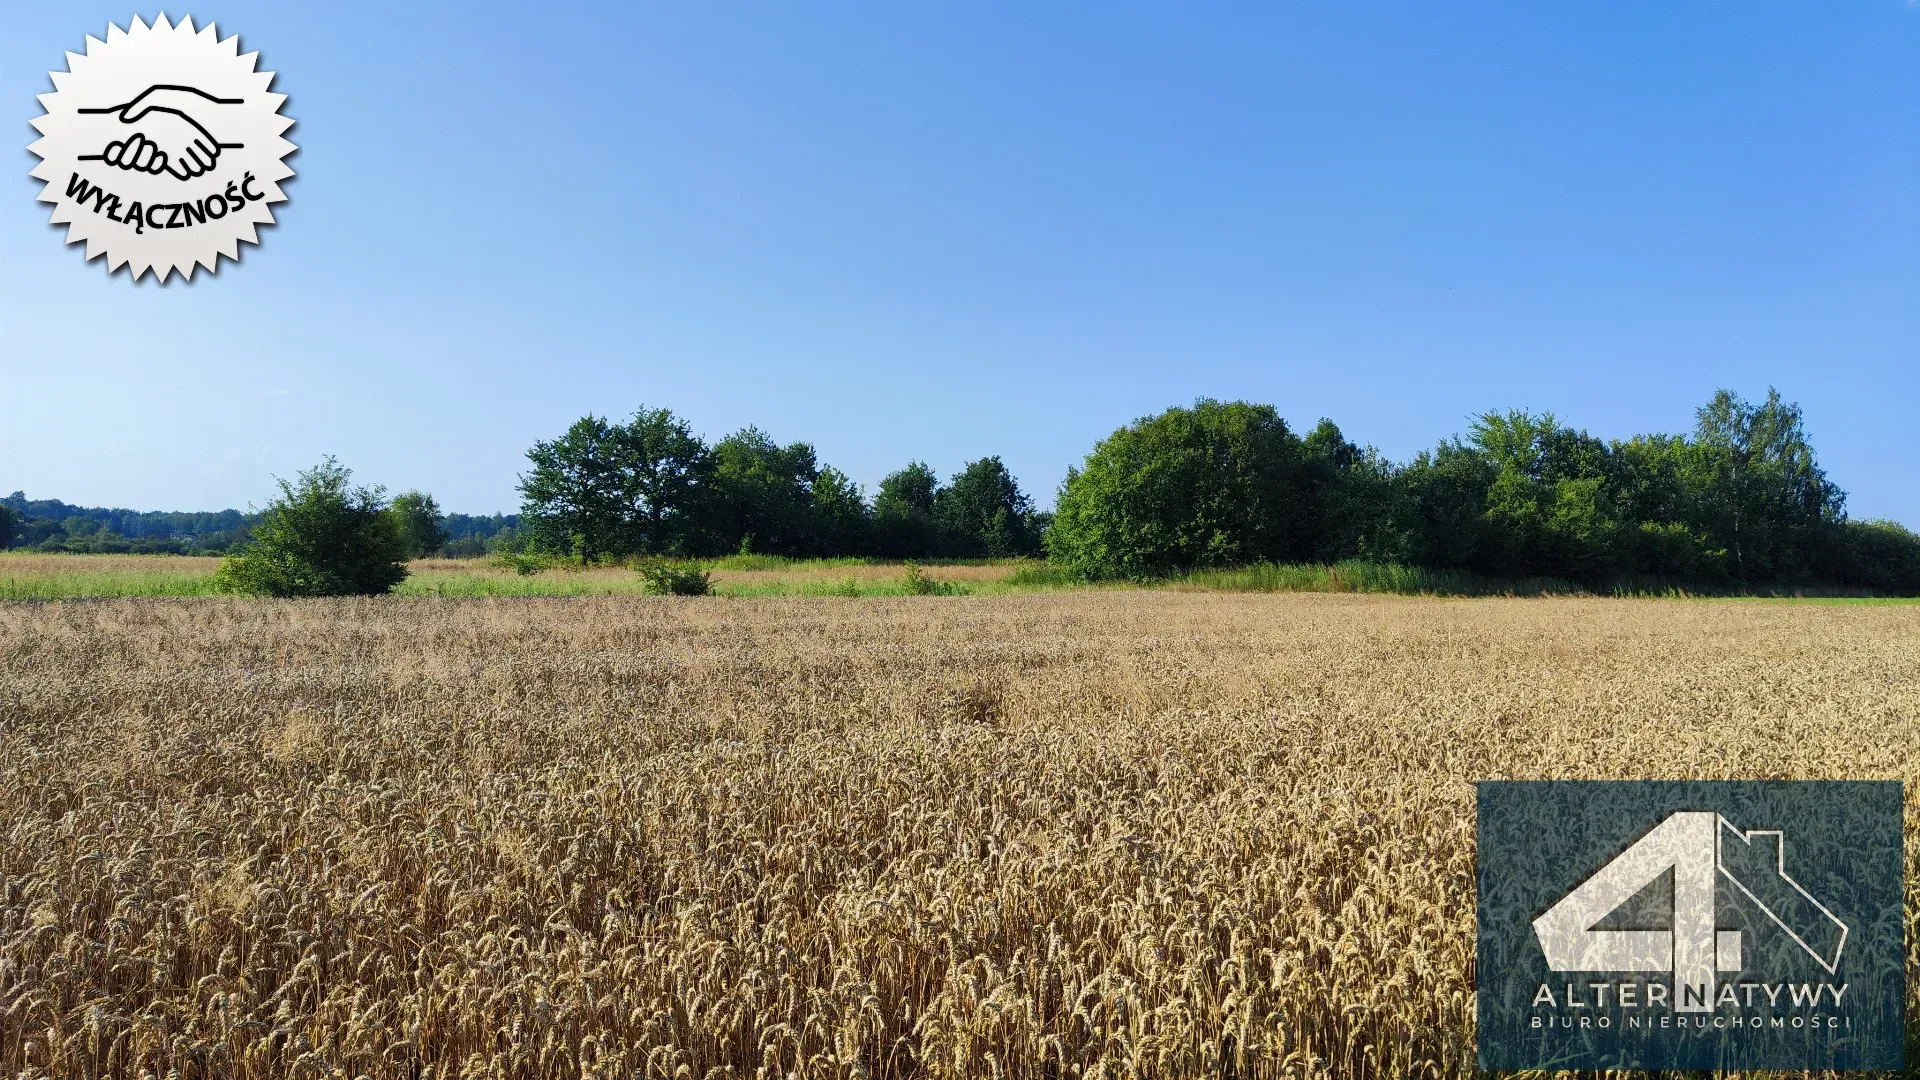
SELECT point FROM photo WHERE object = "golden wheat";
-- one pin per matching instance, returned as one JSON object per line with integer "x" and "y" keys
{"x": 1093, "y": 834}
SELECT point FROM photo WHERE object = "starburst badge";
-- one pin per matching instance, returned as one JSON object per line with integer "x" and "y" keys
{"x": 161, "y": 148}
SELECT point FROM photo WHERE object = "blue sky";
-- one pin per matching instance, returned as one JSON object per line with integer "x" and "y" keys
{"x": 947, "y": 230}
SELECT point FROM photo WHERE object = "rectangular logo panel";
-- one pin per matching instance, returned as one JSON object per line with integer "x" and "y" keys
{"x": 1690, "y": 925}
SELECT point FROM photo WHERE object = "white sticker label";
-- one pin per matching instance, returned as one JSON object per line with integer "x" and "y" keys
{"x": 162, "y": 148}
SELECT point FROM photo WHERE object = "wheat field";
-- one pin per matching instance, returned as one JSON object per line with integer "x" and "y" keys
{"x": 1084, "y": 834}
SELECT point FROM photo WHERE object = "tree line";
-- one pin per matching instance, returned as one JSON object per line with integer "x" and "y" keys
{"x": 650, "y": 486}
{"x": 1740, "y": 500}
{"x": 53, "y": 526}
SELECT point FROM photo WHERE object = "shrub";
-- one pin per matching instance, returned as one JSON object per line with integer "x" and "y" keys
{"x": 526, "y": 564}
{"x": 1369, "y": 576}
{"x": 919, "y": 584}
{"x": 1880, "y": 555}
{"x": 666, "y": 578}
{"x": 848, "y": 587}
{"x": 321, "y": 537}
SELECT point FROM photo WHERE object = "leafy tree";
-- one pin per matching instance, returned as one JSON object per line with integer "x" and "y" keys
{"x": 418, "y": 517}
{"x": 9, "y": 521}
{"x": 572, "y": 499}
{"x": 911, "y": 490}
{"x": 1761, "y": 494}
{"x": 1655, "y": 489}
{"x": 1216, "y": 484}
{"x": 1548, "y": 504}
{"x": 1039, "y": 523}
{"x": 984, "y": 512}
{"x": 762, "y": 496}
{"x": 606, "y": 489}
{"x": 841, "y": 523}
{"x": 321, "y": 537}
{"x": 480, "y": 527}
{"x": 470, "y": 535}
{"x": 1352, "y": 499}
{"x": 664, "y": 465}
{"x": 1743, "y": 499}
{"x": 1440, "y": 506}
{"x": 903, "y": 513}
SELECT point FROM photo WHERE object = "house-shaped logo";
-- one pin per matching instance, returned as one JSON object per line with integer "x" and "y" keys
{"x": 1690, "y": 925}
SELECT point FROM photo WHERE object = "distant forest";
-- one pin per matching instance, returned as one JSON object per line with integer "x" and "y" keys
{"x": 53, "y": 526}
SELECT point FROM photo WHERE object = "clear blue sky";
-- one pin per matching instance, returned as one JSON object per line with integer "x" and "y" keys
{"x": 946, "y": 230}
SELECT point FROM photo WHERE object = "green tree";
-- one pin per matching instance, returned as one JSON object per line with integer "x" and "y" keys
{"x": 1216, "y": 484}
{"x": 903, "y": 513}
{"x": 1440, "y": 506}
{"x": 606, "y": 489}
{"x": 321, "y": 537}
{"x": 1761, "y": 495}
{"x": 841, "y": 521}
{"x": 984, "y": 512}
{"x": 571, "y": 499}
{"x": 418, "y": 517}
{"x": 1548, "y": 505}
{"x": 1351, "y": 494}
{"x": 1655, "y": 489}
{"x": 762, "y": 495}
{"x": 9, "y": 521}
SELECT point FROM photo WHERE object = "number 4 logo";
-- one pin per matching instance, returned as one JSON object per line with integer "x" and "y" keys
{"x": 1699, "y": 847}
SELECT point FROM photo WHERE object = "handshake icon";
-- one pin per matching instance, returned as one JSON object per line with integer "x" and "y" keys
{"x": 164, "y": 134}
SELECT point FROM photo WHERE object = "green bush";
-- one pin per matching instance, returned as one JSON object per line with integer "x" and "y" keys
{"x": 667, "y": 578}
{"x": 524, "y": 563}
{"x": 1881, "y": 555}
{"x": 321, "y": 537}
{"x": 919, "y": 584}
{"x": 1214, "y": 485}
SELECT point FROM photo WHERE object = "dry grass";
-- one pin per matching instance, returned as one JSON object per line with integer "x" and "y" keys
{"x": 37, "y": 564}
{"x": 1099, "y": 833}
{"x": 35, "y": 576}
{"x": 31, "y": 575}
